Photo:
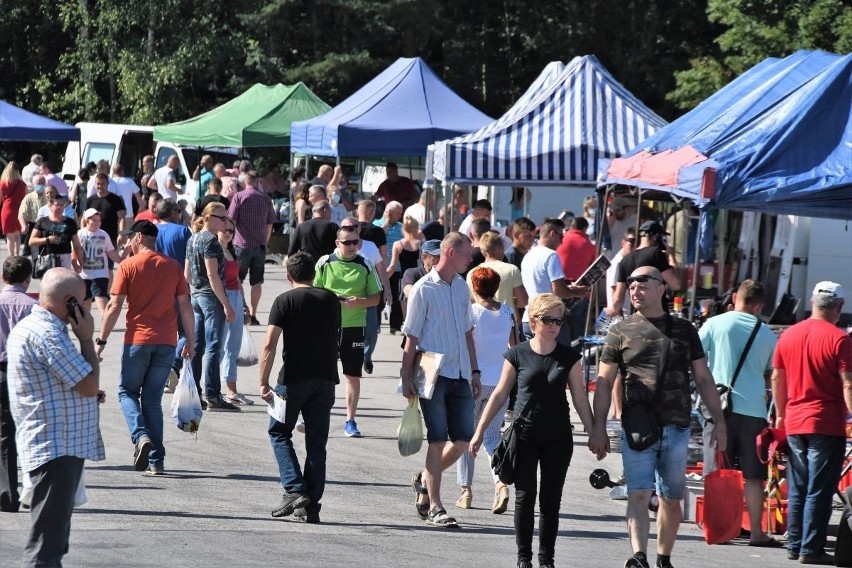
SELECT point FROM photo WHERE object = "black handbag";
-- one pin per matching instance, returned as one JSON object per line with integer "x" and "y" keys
{"x": 505, "y": 458}
{"x": 725, "y": 391}
{"x": 639, "y": 420}
{"x": 44, "y": 262}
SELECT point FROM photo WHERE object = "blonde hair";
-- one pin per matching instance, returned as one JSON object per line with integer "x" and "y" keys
{"x": 209, "y": 209}
{"x": 491, "y": 243}
{"x": 11, "y": 173}
{"x": 543, "y": 303}
{"x": 410, "y": 225}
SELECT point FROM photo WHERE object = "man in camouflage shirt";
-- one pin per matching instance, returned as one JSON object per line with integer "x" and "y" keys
{"x": 648, "y": 347}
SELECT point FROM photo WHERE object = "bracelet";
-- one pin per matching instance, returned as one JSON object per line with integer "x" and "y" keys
{"x": 477, "y": 371}
{"x": 99, "y": 341}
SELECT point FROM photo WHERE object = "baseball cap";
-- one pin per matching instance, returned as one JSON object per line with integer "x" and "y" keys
{"x": 652, "y": 228}
{"x": 89, "y": 212}
{"x": 144, "y": 226}
{"x": 829, "y": 289}
{"x": 432, "y": 246}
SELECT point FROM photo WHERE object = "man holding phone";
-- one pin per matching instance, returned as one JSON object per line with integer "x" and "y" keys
{"x": 54, "y": 395}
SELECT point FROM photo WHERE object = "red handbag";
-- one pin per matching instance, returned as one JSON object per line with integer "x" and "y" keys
{"x": 723, "y": 502}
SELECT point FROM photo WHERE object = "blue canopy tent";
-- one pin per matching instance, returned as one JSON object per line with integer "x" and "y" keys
{"x": 556, "y": 136}
{"x": 399, "y": 113}
{"x": 23, "y": 125}
{"x": 776, "y": 140}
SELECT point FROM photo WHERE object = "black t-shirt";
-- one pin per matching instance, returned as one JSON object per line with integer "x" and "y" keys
{"x": 64, "y": 229}
{"x": 648, "y": 256}
{"x": 310, "y": 320}
{"x": 514, "y": 256}
{"x": 374, "y": 234}
{"x": 545, "y": 374}
{"x": 207, "y": 199}
{"x": 315, "y": 236}
{"x": 109, "y": 206}
{"x": 433, "y": 230}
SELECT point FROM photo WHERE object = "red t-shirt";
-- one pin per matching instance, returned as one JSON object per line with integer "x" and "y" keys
{"x": 152, "y": 282}
{"x": 401, "y": 190}
{"x": 813, "y": 353}
{"x": 576, "y": 253}
{"x": 232, "y": 275}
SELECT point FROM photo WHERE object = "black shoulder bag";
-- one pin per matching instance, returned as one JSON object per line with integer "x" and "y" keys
{"x": 724, "y": 390}
{"x": 505, "y": 457}
{"x": 639, "y": 420}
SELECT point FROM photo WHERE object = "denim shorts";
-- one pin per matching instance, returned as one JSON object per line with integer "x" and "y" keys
{"x": 664, "y": 462}
{"x": 97, "y": 288}
{"x": 449, "y": 413}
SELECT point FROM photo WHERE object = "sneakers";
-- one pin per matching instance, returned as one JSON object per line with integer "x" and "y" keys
{"x": 821, "y": 560}
{"x": 664, "y": 562}
{"x": 219, "y": 405}
{"x": 239, "y": 399}
{"x": 638, "y": 560}
{"x": 289, "y": 503}
{"x": 156, "y": 469}
{"x": 140, "y": 454}
{"x": 351, "y": 429}
{"x": 300, "y": 426}
{"x": 525, "y": 564}
{"x": 301, "y": 514}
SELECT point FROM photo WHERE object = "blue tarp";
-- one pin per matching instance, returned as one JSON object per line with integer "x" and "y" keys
{"x": 555, "y": 134}
{"x": 781, "y": 137}
{"x": 399, "y": 113}
{"x": 23, "y": 125}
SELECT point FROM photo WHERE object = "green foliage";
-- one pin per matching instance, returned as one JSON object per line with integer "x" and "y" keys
{"x": 757, "y": 29}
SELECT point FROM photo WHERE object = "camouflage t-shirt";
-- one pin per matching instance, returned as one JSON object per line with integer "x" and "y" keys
{"x": 636, "y": 345}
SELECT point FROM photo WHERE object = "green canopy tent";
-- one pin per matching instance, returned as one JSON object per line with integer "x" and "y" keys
{"x": 260, "y": 117}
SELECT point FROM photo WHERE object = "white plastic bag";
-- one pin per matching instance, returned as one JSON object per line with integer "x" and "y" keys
{"x": 186, "y": 404}
{"x": 410, "y": 430}
{"x": 248, "y": 352}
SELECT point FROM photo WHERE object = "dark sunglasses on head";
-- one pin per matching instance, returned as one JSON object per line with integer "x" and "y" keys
{"x": 547, "y": 320}
{"x": 643, "y": 279}
{"x": 349, "y": 243}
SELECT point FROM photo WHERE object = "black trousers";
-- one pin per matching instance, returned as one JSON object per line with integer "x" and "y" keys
{"x": 9, "y": 498}
{"x": 54, "y": 486}
{"x": 396, "y": 306}
{"x": 547, "y": 444}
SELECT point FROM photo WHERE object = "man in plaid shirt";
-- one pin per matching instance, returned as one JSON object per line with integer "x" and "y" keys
{"x": 53, "y": 392}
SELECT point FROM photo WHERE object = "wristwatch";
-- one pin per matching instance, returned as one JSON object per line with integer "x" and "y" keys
{"x": 477, "y": 371}
{"x": 99, "y": 341}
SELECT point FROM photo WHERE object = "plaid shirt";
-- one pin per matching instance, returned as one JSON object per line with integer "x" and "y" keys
{"x": 251, "y": 210}
{"x": 52, "y": 419}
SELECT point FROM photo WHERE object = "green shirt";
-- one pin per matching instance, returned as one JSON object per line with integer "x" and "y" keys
{"x": 355, "y": 277}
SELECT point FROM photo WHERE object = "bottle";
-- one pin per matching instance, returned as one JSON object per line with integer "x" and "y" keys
{"x": 677, "y": 307}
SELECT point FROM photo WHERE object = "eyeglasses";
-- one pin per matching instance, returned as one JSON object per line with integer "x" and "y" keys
{"x": 231, "y": 231}
{"x": 349, "y": 227}
{"x": 630, "y": 242}
{"x": 643, "y": 279}
{"x": 349, "y": 243}
{"x": 547, "y": 320}
{"x": 220, "y": 217}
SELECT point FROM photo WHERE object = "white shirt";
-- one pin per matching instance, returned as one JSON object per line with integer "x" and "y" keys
{"x": 464, "y": 228}
{"x": 370, "y": 251}
{"x": 491, "y": 339}
{"x": 162, "y": 177}
{"x": 611, "y": 273}
{"x": 95, "y": 247}
{"x": 112, "y": 187}
{"x": 417, "y": 212}
{"x": 539, "y": 268}
{"x": 29, "y": 172}
{"x": 126, "y": 189}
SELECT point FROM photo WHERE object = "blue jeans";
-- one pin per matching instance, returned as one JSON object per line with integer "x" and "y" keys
{"x": 144, "y": 373}
{"x": 209, "y": 316}
{"x": 232, "y": 336}
{"x": 814, "y": 470}
{"x": 181, "y": 342}
{"x": 663, "y": 463}
{"x": 371, "y": 332}
{"x": 314, "y": 399}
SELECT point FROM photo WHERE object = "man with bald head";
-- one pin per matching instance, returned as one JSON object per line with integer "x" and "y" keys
{"x": 53, "y": 392}
{"x": 655, "y": 353}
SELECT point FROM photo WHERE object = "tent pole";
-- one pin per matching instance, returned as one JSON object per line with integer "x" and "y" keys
{"x": 448, "y": 223}
{"x": 696, "y": 266}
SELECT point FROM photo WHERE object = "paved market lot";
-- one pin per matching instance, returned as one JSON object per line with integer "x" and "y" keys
{"x": 212, "y": 509}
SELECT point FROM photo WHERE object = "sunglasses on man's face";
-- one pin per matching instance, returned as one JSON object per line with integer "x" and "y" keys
{"x": 643, "y": 279}
{"x": 547, "y": 320}
{"x": 350, "y": 243}
{"x": 349, "y": 227}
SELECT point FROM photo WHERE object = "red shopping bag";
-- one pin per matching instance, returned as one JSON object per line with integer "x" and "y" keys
{"x": 723, "y": 503}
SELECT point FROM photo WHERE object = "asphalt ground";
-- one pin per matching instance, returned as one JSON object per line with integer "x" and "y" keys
{"x": 213, "y": 507}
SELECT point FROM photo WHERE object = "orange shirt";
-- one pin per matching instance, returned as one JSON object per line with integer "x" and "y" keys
{"x": 152, "y": 282}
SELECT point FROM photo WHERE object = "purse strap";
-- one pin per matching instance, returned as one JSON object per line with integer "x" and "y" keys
{"x": 745, "y": 352}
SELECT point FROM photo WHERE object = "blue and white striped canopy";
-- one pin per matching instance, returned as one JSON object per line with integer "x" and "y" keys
{"x": 554, "y": 134}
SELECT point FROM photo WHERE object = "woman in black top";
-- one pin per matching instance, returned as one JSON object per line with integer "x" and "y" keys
{"x": 57, "y": 234}
{"x": 543, "y": 370}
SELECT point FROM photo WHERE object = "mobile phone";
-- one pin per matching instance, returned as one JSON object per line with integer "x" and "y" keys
{"x": 73, "y": 307}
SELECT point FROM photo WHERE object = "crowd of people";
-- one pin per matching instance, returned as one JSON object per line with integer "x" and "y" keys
{"x": 497, "y": 312}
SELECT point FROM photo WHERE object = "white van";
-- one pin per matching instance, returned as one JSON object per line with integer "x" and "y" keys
{"x": 127, "y": 144}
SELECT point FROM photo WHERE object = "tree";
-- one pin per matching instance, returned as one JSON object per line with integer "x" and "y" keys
{"x": 759, "y": 29}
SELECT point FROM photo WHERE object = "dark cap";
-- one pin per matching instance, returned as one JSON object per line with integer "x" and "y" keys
{"x": 652, "y": 228}
{"x": 144, "y": 226}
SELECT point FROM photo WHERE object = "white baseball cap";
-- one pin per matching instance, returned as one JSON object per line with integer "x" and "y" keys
{"x": 829, "y": 289}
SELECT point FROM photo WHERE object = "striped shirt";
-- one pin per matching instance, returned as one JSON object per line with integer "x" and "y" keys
{"x": 439, "y": 315}
{"x": 15, "y": 305}
{"x": 52, "y": 419}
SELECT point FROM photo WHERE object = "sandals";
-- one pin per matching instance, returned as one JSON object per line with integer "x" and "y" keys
{"x": 439, "y": 518}
{"x": 422, "y": 508}
{"x": 501, "y": 500}
{"x": 465, "y": 500}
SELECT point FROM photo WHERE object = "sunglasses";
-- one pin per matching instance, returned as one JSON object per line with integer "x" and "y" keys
{"x": 643, "y": 279}
{"x": 220, "y": 217}
{"x": 230, "y": 231}
{"x": 547, "y": 320}
{"x": 350, "y": 243}
{"x": 630, "y": 241}
{"x": 349, "y": 227}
